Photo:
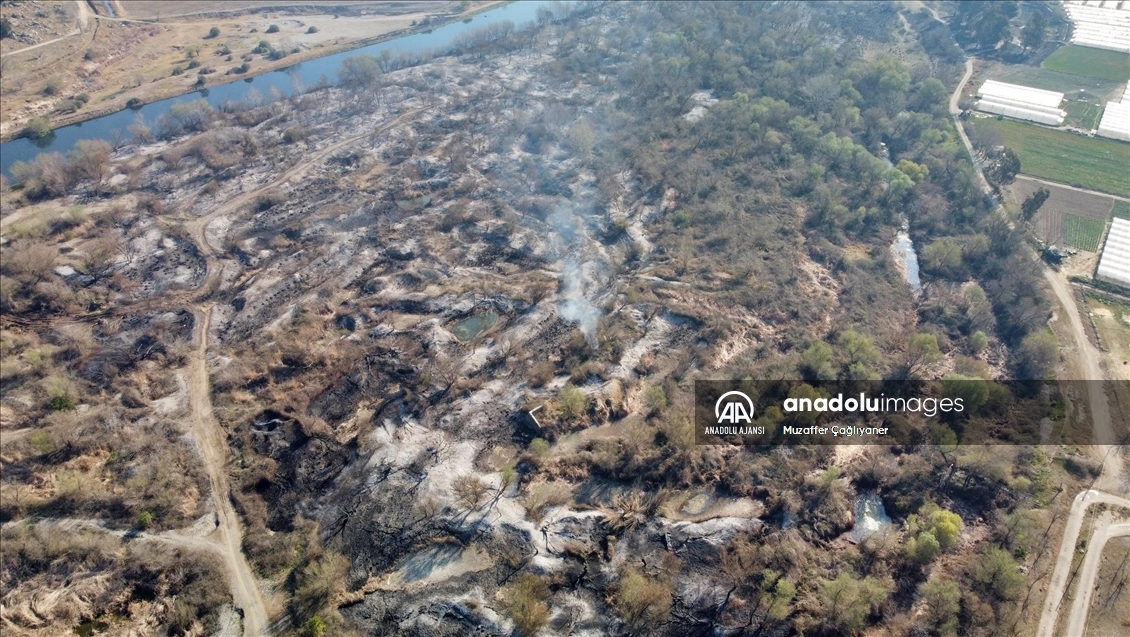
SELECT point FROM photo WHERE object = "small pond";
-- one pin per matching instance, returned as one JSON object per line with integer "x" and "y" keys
{"x": 870, "y": 517}
{"x": 472, "y": 326}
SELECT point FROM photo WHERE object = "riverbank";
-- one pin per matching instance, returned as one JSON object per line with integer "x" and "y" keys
{"x": 112, "y": 96}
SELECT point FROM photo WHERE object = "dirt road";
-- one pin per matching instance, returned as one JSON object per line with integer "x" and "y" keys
{"x": 1061, "y": 574}
{"x": 213, "y": 449}
{"x": 1070, "y": 187}
{"x": 1085, "y": 589}
{"x": 82, "y": 21}
{"x": 955, "y": 110}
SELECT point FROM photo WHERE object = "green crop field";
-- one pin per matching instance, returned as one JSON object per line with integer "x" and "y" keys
{"x": 1050, "y": 80}
{"x": 1082, "y": 233}
{"x": 1086, "y": 162}
{"x": 1121, "y": 209}
{"x": 1084, "y": 60}
{"x": 1082, "y": 114}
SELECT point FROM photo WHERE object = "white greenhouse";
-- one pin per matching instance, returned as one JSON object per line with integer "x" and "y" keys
{"x": 1021, "y": 102}
{"x": 1116, "y": 119}
{"x": 1114, "y": 266}
{"x": 1101, "y": 24}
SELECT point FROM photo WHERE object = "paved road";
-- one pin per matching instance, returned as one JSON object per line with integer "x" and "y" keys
{"x": 1085, "y": 589}
{"x": 1061, "y": 574}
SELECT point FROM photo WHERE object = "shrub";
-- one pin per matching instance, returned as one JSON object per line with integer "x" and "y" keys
{"x": 312, "y": 29}
{"x": 146, "y": 519}
{"x": 572, "y": 401}
{"x": 37, "y": 127}
{"x": 61, "y": 402}
{"x": 539, "y": 446}
{"x": 274, "y": 28}
{"x": 214, "y": 32}
{"x": 51, "y": 88}
{"x": 178, "y": 70}
{"x": 292, "y": 135}
{"x": 656, "y": 398}
{"x": 134, "y": 103}
{"x": 526, "y": 601}
{"x": 640, "y": 600}
{"x": 316, "y": 626}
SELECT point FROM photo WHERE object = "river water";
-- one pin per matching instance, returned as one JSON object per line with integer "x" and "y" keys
{"x": 288, "y": 80}
{"x": 903, "y": 247}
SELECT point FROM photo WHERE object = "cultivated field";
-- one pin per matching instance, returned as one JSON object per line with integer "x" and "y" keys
{"x": 1082, "y": 233}
{"x": 1084, "y": 60}
{"x": 1121, "y": 209}
{"x": 1084, "y": 211}
{"x": 1051, "y": 80}
{"x": 1087, "y": 162}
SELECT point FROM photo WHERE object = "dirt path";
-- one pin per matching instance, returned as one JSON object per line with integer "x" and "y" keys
{"x": 1061, "y": 574}
{"x": 82, "y": 21}
{"x": 207, "y": 432}
{"x": 1085, "y": 589}
{"x": 955, "y": 110}
{"x": 213, "y": 449}
{"x": 1089, "y": 364}
{"x": 1070, "y": 187}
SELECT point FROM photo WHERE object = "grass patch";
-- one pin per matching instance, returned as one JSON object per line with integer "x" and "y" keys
{"x": 1084, "y": 60}
{"x": 1086, "y": 162}
{"x": 1121, "y": 209}
{"x": 1082, "y": 233}
{"x": 1082, "y": 114}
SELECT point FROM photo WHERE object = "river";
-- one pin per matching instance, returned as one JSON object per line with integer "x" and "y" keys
{"x": 289, "y": 80}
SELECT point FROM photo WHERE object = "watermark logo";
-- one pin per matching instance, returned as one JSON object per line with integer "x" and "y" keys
{"x": 738, "y": 409}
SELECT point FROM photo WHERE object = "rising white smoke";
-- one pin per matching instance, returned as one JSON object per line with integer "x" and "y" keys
{"x": 574, "y": 305}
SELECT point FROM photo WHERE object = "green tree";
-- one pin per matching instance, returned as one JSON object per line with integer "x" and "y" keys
{"x": 972, "y": 391}
{"x": 943, "y": 602}
{"x": 998, "y": 573}
{"x": 1005, "y": 169}
{"x": 921, "y": 351}
{"x": 1037, "y": 355}
{"x": 846, "y": 601}
{"x": 656, "y": 398}
{"x": 572, "y": 401}
{"x": 1033, "y": 35}
{"x": 816, "y": 361}
{"x": 943, "y": 257}
{"x": 642, "y": 601}
{"x": 359, "y": 71}
{"x": 923, "y": 548}
{"x": 526, "y": 603}
{"x": 316, "y": 626}
{"x": 1033, "y": 202}
{"x": 859, "y": 355}
{"x": 146, "y": 519}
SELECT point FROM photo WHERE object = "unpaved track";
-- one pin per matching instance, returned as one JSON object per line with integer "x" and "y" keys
{"x": 213, "y": 449}
{"x": 1057, "y": 184}
{"x": 955, "y": 110}
{"x": 81, "y": 27}
{"x": 1085, "y": 589}
{"x": 207, "y": 432}
{"x": 1061, "y": 574}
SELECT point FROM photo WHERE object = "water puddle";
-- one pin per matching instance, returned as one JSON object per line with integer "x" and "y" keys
{"x": 472, "y": 326}
{"x": 870, "y": 517}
